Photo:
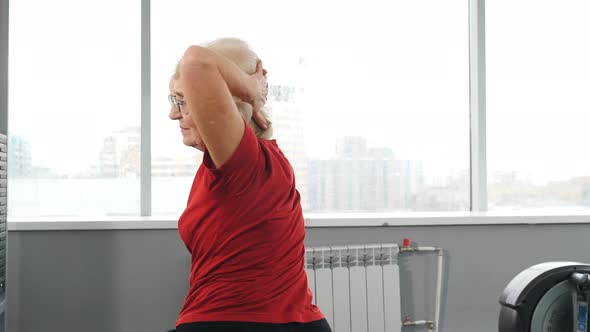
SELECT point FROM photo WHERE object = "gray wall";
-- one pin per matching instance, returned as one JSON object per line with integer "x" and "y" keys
{"x": 135, "y": 280}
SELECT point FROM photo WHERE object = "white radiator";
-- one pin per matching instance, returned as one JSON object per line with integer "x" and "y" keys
{"x": 356, "y": 287}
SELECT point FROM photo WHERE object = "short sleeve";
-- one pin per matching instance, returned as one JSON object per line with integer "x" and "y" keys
{"x": 245, "y": 170}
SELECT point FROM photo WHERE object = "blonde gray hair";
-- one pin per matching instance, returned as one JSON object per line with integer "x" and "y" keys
{"x": 240, "y": 53}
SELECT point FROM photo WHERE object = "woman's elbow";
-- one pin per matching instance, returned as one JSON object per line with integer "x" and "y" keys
{"x": 197, "y": 57}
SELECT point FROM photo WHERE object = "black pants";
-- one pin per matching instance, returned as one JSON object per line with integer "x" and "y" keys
{"x": 317, "y": 326}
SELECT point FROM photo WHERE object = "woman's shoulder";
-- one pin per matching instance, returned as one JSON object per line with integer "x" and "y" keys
{"x": 273, "y": 146}
{"x": 276, "y": 158}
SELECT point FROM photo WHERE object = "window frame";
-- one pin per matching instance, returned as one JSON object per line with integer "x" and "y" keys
{"x": 477, "y": 110}
{"x": 311, "y": 221}
{"x": 477, "y": 215}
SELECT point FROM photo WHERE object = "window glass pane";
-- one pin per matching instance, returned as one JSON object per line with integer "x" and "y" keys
{"x": 538, "y": 79}
{"x": 369, "y": 100}
{"x": 74, "y": 108}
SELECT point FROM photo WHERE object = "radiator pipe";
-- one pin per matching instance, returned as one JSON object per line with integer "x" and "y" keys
{"x": 432, "y": 325}
{"x": 439, "y": 269}
{"x": 414, "y": 249}
{"x": 428, "y": 323}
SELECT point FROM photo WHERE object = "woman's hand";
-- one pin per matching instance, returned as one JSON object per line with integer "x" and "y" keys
{"x": 259, "y": 95}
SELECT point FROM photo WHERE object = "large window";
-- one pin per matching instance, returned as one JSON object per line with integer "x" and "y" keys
{"x": 370, "y": 101}
{"x": 74, "y": 108}
{"x": 538, "y": 79}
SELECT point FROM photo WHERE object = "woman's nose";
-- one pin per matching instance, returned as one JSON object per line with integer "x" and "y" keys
{"x": 174, "y": 113}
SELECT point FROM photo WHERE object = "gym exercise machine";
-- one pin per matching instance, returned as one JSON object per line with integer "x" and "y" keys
{"x": 548, "y": 297}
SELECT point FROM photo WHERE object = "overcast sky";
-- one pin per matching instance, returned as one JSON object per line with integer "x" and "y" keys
{"x": 395, "y": 72}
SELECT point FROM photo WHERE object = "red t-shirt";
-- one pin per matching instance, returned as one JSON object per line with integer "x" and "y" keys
{"x": 243, "y": 226}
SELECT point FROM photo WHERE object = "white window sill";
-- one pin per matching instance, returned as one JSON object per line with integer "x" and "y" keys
{"x": 311, "y": 220}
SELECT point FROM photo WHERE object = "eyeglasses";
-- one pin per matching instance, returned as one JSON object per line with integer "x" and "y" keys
{"x": 174, "y": 101}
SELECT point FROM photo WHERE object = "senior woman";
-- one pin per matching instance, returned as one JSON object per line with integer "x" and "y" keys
{"x": 243, "y": 223}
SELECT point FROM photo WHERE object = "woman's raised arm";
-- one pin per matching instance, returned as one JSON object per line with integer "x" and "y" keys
{"x": 208, "y": 81}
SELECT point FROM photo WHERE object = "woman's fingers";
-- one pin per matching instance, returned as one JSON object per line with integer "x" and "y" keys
{"x": 261, "y": 88}
{"x": 259, "y": 68}
{"x": 260, "y": 120}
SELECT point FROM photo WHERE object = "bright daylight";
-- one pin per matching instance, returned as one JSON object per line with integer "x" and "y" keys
{"x": 303, "y": 166}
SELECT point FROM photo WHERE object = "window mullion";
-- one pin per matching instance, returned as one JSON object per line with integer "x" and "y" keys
{"x": 477, "y": 107}
{"x": 146, "y": 156}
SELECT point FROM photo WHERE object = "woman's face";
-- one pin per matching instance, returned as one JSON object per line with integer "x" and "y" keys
{"x": 188, "y": 129}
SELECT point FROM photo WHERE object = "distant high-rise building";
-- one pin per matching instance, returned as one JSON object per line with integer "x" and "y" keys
{"x": 288, "y": 121}
{"x": 351, "y": 147}
{"x": 360, "y": 179}
{"x": 120, "y": 154}
{"x": 164, "y": 167}
{"x": 20, "y": 162}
